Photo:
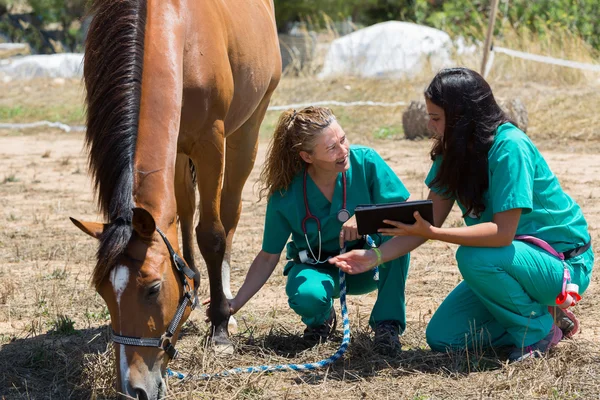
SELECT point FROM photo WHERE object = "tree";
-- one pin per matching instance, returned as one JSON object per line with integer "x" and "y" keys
{"x": 65, "y": 12}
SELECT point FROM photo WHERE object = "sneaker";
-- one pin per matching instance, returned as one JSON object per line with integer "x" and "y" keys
{"x": 565, "y": 320}
{"x": 321, "y": 333}
{"x": 537, "y": 349}
{"x": 386, "y": 337}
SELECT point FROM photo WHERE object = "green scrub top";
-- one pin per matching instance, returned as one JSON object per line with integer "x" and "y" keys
{"x": 368, "y": 180}
{"x": 519, "y": 177}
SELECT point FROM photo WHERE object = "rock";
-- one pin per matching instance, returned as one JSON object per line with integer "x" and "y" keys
{"x": 393, "y": 49}
{"x": 414, "y": 119}
{"x": 64, "y": 65}
{"x": 516, "y": 111}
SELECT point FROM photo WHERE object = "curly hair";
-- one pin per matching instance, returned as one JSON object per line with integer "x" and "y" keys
{"x": 296, "y": 131}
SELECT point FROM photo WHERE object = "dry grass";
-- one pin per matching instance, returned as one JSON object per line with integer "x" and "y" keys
{"x": 557, "y": 42}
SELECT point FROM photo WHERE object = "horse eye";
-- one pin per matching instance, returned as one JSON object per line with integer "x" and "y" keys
{"x": 154, "y": 290}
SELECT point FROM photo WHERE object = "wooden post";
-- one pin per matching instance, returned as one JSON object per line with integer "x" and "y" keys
{"x": 490, "y": 35}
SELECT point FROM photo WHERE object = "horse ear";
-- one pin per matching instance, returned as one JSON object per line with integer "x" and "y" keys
{"x": 143, "y": 222}
{"x": 94, "y": 229}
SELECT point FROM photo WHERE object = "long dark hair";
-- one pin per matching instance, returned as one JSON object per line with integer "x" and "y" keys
{"x": 472, "y": 117}
{"x": 112, "y": 72}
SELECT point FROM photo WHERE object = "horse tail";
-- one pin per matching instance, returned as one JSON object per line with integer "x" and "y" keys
{"x": 112, "y": 70}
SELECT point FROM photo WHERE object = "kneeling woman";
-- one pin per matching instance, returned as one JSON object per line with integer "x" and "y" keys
{"x": 519, "y": 225}
{"x": 314, "y": 179}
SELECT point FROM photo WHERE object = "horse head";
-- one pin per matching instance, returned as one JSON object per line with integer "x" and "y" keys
{"x": 149, "y": 291}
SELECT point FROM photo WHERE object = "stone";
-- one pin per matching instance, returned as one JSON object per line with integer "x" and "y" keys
{"x": 414, "y": 121}
{"x": 414, "y": 118}
{"x": 392, "y": 49}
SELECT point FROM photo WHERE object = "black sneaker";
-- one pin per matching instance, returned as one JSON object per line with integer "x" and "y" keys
{"x": 386, "y": 339}
{"x": 320, "y": 334}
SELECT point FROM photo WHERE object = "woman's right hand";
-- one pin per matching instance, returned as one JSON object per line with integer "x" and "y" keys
{"x": 232, "y": 307}
{"x": 355, "y": 261}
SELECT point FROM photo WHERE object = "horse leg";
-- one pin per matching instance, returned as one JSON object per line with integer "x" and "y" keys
{"x": 185, "y": 193}
{"x": 210, "y": 234}
{"x": 240, "y": 156}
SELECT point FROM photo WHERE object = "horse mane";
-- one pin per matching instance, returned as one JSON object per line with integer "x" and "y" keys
{"x": 112, "y": 71}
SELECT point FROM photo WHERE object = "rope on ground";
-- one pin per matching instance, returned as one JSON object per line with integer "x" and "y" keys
{"x": 285, "y": 367}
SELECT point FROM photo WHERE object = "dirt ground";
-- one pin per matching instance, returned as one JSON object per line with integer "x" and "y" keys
{"x": 46, "y": 264}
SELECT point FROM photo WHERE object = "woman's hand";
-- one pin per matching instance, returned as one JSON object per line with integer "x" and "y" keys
{"x": 232, "y": 308}
{"x": 420, "y": 228}
{"x": 349, "y": 231}
{"x": 355, "y": 261}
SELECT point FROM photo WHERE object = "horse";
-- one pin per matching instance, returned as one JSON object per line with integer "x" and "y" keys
{"x": 167, "y": 83}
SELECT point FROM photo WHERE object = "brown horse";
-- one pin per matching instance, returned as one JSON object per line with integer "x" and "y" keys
{"x": 170, "y": 81}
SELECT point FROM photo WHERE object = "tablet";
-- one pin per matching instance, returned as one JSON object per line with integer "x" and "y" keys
{"x": 369, "y": 217}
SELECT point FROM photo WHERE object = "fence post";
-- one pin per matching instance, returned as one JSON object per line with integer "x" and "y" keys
{"x": 490, "y": 35}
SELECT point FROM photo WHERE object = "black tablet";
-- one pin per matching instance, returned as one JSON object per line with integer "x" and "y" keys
{"x": 369, "y": 217}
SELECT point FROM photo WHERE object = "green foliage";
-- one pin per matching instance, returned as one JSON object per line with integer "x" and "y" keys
{"x": 32, "y": 27}
{"x": 10, "y": 179}
{"x": 388, "y": 132}
{"x": 63, "y": 11}
{"x": 457, "y": 17}
{"x": 316, "y": 10}
{"x": 63, "y": 325}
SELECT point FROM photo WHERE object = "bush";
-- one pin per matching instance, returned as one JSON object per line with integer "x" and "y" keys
{"x": 458, "y": 17}
{"x": 65, "y": 12}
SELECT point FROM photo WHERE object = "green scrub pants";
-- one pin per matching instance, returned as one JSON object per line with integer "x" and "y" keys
{"x": 504, "y": 298}
{"x": 311, "y": 291}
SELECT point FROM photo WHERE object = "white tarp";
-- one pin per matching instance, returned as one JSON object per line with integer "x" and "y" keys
{"x": 389, "y": 49}
{"x": 63, "y": 65}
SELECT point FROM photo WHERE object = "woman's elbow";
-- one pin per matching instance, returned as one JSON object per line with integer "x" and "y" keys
{"x": 505, "y": 239}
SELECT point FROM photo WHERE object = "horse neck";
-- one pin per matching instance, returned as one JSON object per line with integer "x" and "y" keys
{"x": 160, "y": 114}
{"x": 154, "y": 169}
{"x": 155, "y": 156}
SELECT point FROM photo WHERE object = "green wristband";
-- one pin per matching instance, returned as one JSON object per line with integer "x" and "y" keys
{"x": 378, "y": 253}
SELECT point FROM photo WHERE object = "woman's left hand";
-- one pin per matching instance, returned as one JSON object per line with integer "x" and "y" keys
{"x": 420, "y": 228}
{"x": 349, "y": 231}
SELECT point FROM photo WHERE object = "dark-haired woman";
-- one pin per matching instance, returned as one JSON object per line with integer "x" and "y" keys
{"x": 519, "y": 224}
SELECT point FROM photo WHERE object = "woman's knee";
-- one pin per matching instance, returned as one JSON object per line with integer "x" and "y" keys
{"x": 467, "y": 256}
{"x": 471, "y": 258}
{"x": 308, "y": 298}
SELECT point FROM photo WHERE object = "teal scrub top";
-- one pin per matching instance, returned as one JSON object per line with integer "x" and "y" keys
{"x": 519, "y": 177}
{"x": 368, "y": 180}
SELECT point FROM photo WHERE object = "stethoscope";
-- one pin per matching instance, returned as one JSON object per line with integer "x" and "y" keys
{"x": 343, "y": 215}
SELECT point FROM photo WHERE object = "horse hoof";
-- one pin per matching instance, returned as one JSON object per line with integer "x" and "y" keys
{"x": 223, "y": 349}
{"x": 232, "y": 325}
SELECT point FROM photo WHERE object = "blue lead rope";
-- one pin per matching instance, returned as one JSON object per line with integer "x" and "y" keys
{"x": 286, "y": 367}
{"x": 372, "y": 245}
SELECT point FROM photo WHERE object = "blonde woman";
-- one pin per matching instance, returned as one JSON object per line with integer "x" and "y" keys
{"x": 313, "y": 180}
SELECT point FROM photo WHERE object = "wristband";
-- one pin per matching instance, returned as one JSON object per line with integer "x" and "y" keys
{"x": 378, "y": 254}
